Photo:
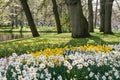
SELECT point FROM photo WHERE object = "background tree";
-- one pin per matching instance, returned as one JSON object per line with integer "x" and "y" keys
{"x": 64, "y": 17}
{"x": 102, "y": 15}
{"x": 108, "y": 15}
{"x": 42, "y": 12}
{"x": 90, "y": 16}
{"x": 4, "y": 12}
{"x": 117, "y": 4}
{"x": 57, "y": 19}
{"x": 96, "y": 11}
{"x": 78, "y": 21}
{"x": 14, "y": 11}
{"x": 29, "y": 18}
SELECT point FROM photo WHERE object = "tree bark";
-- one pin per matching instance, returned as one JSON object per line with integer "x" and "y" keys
{"x": 57, "y": 19}
{"x": 77, "y": 19}
{"x": 102, "y": 15}
{"x": 29, "y": 18}
{"x": 108, "y": 15}
{"x": 21, "y": 21}
{"x": 117, "y": 4}
{"x": 12, "y": 17}
{"x": 90, "y": 16}
{"x": 16, "y": 17}
{"x": 96, "y": 10}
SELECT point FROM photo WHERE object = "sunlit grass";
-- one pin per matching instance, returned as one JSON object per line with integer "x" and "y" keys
{"x": 54, "y": 40}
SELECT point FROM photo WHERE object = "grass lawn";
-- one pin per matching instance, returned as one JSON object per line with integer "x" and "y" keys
{"x": 54, "y": 40}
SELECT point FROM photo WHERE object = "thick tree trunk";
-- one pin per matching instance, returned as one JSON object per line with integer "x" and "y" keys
{"x": 77, "y": 19}
{"x": 90, "y": 16}
{"x": 108, "y": 15}
{"x": 57, "y": 19}
{"x": 29, "y": 18}
{"x": 117, "y": 4}
{"x": 102, "y": 15}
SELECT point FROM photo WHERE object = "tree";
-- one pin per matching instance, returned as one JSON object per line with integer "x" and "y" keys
{"x": 57, "y": 19}
{"x": 90, "y": 16}
{"x": 108, "y": 15}
{"x": 117, "y": 4}
{"x": 29, "y": 18}
{"x": 77, "y": 19}
{"x": 96, "y": 11}
{"x": 102, "y": 15}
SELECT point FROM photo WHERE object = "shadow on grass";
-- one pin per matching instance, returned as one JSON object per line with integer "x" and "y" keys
{"x": 117, "y": 34}
{"x": 93, "y": 40}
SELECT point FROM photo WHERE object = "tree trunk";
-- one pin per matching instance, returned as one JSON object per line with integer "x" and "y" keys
{"x": 12, "y": 17}
{"x": 57, "y": 19}
{"x": 108, "y": 15}
{"x": 96, "y": 10}
{"x": 16, "y": 17}
{"x": 29, "y": 18}
{"x": 21, "y": 21}
{"x": 77, "y": 19}
{"x": 117, "y": 4}
{"x": 90, "y": 16}
{"x": 102, "y": 15}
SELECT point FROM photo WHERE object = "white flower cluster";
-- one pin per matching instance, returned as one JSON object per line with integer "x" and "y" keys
{"x": 80, "y": 66}
{"x": 115, "y": 47}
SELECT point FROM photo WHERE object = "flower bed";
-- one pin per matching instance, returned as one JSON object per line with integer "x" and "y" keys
{"x": 76, "y": 63}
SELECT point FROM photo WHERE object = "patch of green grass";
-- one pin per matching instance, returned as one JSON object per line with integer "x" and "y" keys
{"x": 53, "y": 40}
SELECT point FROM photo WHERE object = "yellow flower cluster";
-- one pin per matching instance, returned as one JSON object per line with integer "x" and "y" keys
{"x": 98, "y": 48}
{"x": 1, "y": 46}
{"x": 58, "y": 51}
{"x": 47, "y": 52}
{"x": 21, "y": 42}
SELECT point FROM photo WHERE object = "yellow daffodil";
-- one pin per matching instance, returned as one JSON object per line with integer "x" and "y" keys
{"x": 60, "y": 51}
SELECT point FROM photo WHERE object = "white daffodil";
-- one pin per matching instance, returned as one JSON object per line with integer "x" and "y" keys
{"x": 42, "y": 65}
{"x": 48, "y": 75}
{"x": 42, "y": 58}
{"x": 110, "y": 78}
{"x": 86, "y": 64}
{"x": 104, "y": 78}
{"x": 14, "y": 75}
{"x": 60, "y": 77}
{"x": 18, "y": 71}
{"x": 20, "y": 78}
{"x": 79, "y": 66}
{"x": 91, "y": 74}
{"x": 116, "y": 74}
{"x": 66, "y": 63}
{"x": 69, "y": 67}
{"x": 50, "y": 64}
{"x": 74, "y": 62}
{"x": 14, "y": 55}
{"x": 24, "y": 72}
{"x": 106, "y": 74}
